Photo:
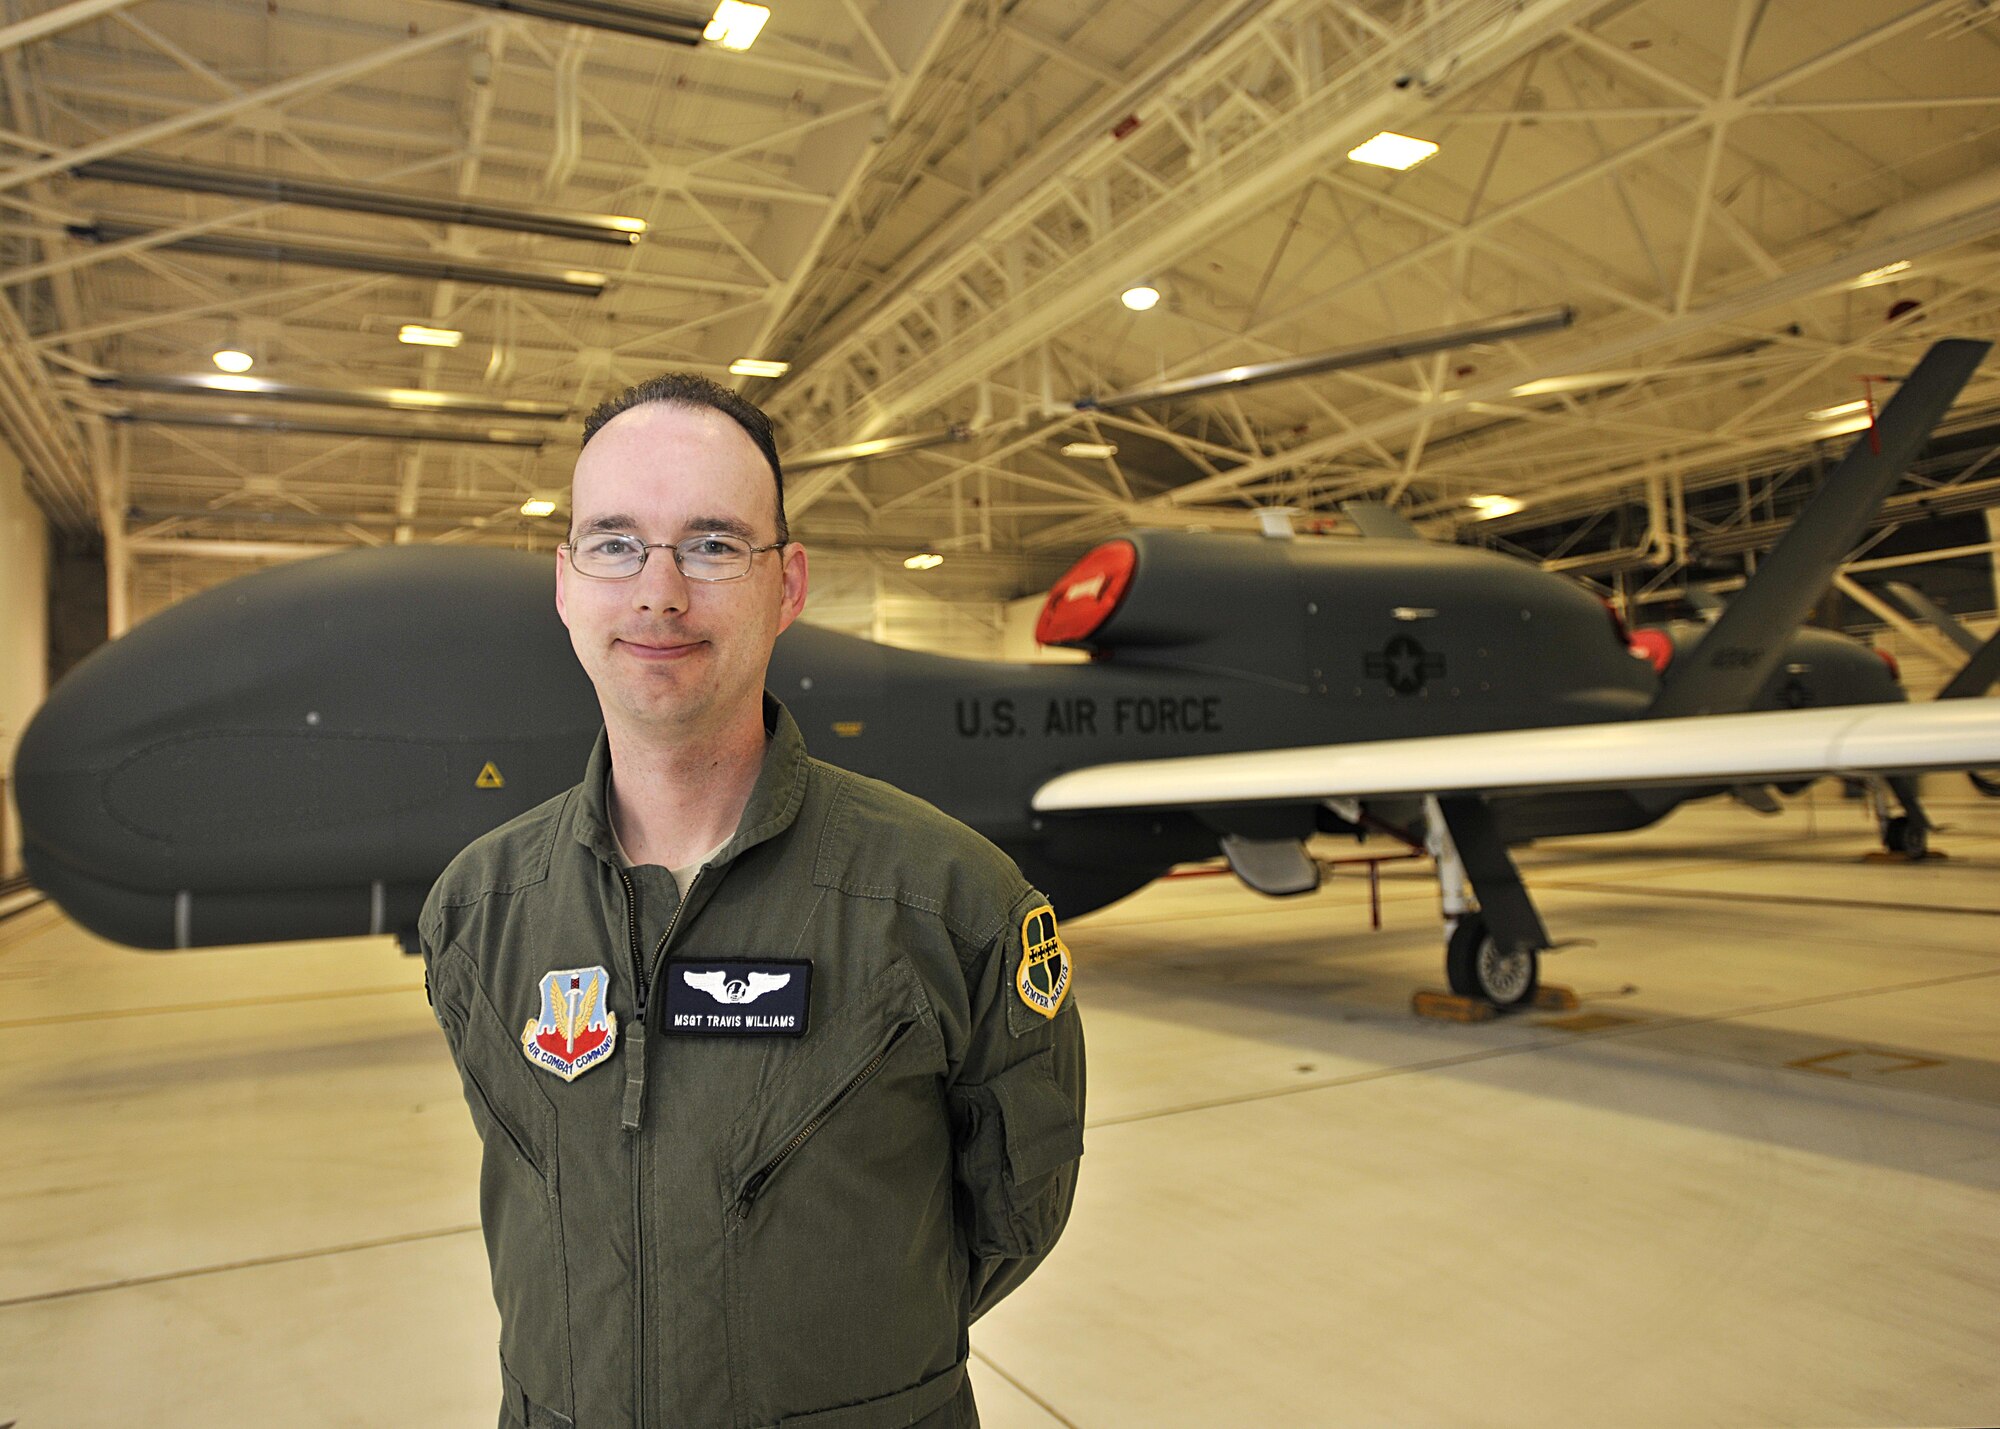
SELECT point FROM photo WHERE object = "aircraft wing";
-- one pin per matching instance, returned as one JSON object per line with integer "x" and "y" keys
{"x": 1708, "y": 749}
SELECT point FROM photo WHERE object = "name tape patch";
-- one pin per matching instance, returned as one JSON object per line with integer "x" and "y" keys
{"x": 738, "y": 997}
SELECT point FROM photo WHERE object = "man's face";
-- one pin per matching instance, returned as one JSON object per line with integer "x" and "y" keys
{"x": 674, "y": 656}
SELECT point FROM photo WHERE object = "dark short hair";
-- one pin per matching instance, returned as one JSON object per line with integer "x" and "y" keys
{"x": 691, "y": 389}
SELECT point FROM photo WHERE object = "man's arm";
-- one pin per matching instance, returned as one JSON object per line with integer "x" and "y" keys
{"x": 1017, "y": 1105}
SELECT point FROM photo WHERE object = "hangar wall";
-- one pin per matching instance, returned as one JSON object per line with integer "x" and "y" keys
{"x": 24, "y": 632}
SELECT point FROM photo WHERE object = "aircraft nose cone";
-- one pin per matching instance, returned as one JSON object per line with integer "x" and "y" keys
{"x": 314, "y": 742}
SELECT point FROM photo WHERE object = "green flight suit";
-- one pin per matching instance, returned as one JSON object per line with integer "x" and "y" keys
{"x": 761, "y": 1230}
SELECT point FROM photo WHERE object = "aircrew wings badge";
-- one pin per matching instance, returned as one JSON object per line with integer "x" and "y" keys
{"x": 574, "y": 1030}
{"x": 1043, "y": 980}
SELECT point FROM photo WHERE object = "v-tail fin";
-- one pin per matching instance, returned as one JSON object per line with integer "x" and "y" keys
{"x": 1723, "y": 673}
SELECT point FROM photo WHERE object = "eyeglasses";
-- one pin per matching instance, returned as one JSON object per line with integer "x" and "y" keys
{"x": 615, "y": 556}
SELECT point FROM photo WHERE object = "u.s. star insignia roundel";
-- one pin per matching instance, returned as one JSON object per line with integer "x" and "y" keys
{"x": 574, "y": 1030}
{"x": 1043, "y": 981}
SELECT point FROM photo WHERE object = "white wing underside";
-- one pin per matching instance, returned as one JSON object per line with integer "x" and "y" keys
{"x": 1708, "y": 749}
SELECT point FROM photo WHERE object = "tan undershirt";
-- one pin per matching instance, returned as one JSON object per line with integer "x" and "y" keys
{"x": 684, "y": 875}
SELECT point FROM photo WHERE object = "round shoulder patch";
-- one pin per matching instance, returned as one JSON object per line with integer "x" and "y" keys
{"x": 1043, "y": 978}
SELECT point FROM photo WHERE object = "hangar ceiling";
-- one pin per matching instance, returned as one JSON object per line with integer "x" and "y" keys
{"x": 929, "y": 208}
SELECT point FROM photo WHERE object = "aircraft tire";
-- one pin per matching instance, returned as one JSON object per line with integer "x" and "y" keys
{"x": 1475, "y": 966}
{"x": 1906, "y": 836}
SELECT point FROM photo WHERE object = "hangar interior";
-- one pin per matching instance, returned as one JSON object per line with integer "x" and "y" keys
{"x": 1751, "y": 1180}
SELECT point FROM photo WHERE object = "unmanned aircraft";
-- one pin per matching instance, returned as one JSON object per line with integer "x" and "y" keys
{"x": 299, "y": 753}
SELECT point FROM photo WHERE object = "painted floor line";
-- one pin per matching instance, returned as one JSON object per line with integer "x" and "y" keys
{"x": 193, "y": 1272}
{"x": 1026, "y": 1393}
{"x": 1538, "y": 1044}
{"x": 1796, "y": 899}
{"x": 268, "y": 1000}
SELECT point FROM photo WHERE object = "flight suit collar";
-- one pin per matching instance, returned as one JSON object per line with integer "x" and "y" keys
{"x": 774, "y": 800}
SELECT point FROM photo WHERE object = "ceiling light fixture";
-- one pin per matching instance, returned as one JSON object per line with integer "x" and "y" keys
{"x": 360, "y": 260}
{"x": 1091, "y": 450}
{"x": 641, "y": 20}
{"x": 1839, "y": 409}
{"x": 758, "y": 367}
{"x": 538, "y": 506}
{"x": 231, "y": 358}
{"x": 1485, "y": 508}
{"x": 924, "y": 561}
{"x": 394, "y": 399}
{"x": 1392, "y": 151}
{"x": 417, "y": 335}
{"x": 329, "y": 427}
{"x": 1140, "y": 298}
{"x": 362, "y": 198}
{"x": 736, "y": 25}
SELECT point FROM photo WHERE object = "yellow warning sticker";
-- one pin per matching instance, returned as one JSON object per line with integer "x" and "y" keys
{"x": 847, "y": 728}
{"x": 489, "y": 777}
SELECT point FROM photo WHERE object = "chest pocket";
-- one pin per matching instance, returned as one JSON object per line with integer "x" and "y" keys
{"x": 840, "y": 1229}
{"x": 507, "y": 1107}
{"x": 517, "y": 1182}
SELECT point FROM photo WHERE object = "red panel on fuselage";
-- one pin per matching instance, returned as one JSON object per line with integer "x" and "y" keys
{"x": 1087, "y": 594}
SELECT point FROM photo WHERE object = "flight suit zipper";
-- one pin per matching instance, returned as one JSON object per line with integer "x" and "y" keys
{"x": 761, "y": 1177}
{"x": 633, "y": 1112}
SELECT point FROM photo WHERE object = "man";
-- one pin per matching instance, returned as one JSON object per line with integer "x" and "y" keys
{"x": 777, "y": 1072}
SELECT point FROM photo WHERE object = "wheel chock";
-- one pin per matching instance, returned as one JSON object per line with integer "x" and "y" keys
{"x": 1883, "y": 855}
{"x": 1553, "y": 997}
{"x": 1450, "y": 1007}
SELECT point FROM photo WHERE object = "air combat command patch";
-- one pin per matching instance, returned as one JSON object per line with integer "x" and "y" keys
{"x": 574, "y": 1030}
{"x": 1043, "y": 980}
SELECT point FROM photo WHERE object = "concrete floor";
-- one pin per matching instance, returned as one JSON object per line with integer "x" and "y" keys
{"x": 1755, "y": 1181}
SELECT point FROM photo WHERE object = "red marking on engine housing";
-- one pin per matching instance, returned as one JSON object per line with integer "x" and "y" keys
{"x": 1654, "y": 646}
{"x": 1087, "y": 594}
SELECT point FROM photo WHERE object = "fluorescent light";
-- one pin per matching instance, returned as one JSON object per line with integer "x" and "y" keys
{"x": 538, "y": 507}
{"x": 1393, "y": 151}
{"x": 624, "y": 19}
{"x": 395, "y": 399}
{"x": 736, "y": 25}
{"x": 1842, "y": 409}
{"x": 1139, "y": 299}
{"x": 362, "y": 198}
{"x": 758, "y": 367}
{"x": 1882, "y": 274}
{"x": 1409, "y": 345}
{"x": 1573, "y": 382}
{"x": 417, "y": 335}
{"x": 880, "y": 446}
{"x": 926, "y": 561}
{"x": 361, "y": 260}
{"x": 329, "y": 427}
{"x": 1858, "y": 423}
{"x": 1098, "y": 450}
{"x": 231, "y": 359}
{"x": 1485, "y": 508}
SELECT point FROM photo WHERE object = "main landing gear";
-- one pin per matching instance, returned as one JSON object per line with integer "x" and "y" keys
{"x": 1906, "y": 834}
{"x": 1477, "y": 965}
{"x": 1493, "y": 940}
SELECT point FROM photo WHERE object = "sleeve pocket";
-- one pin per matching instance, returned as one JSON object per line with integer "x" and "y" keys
{"x": 1019, "y": 1135}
